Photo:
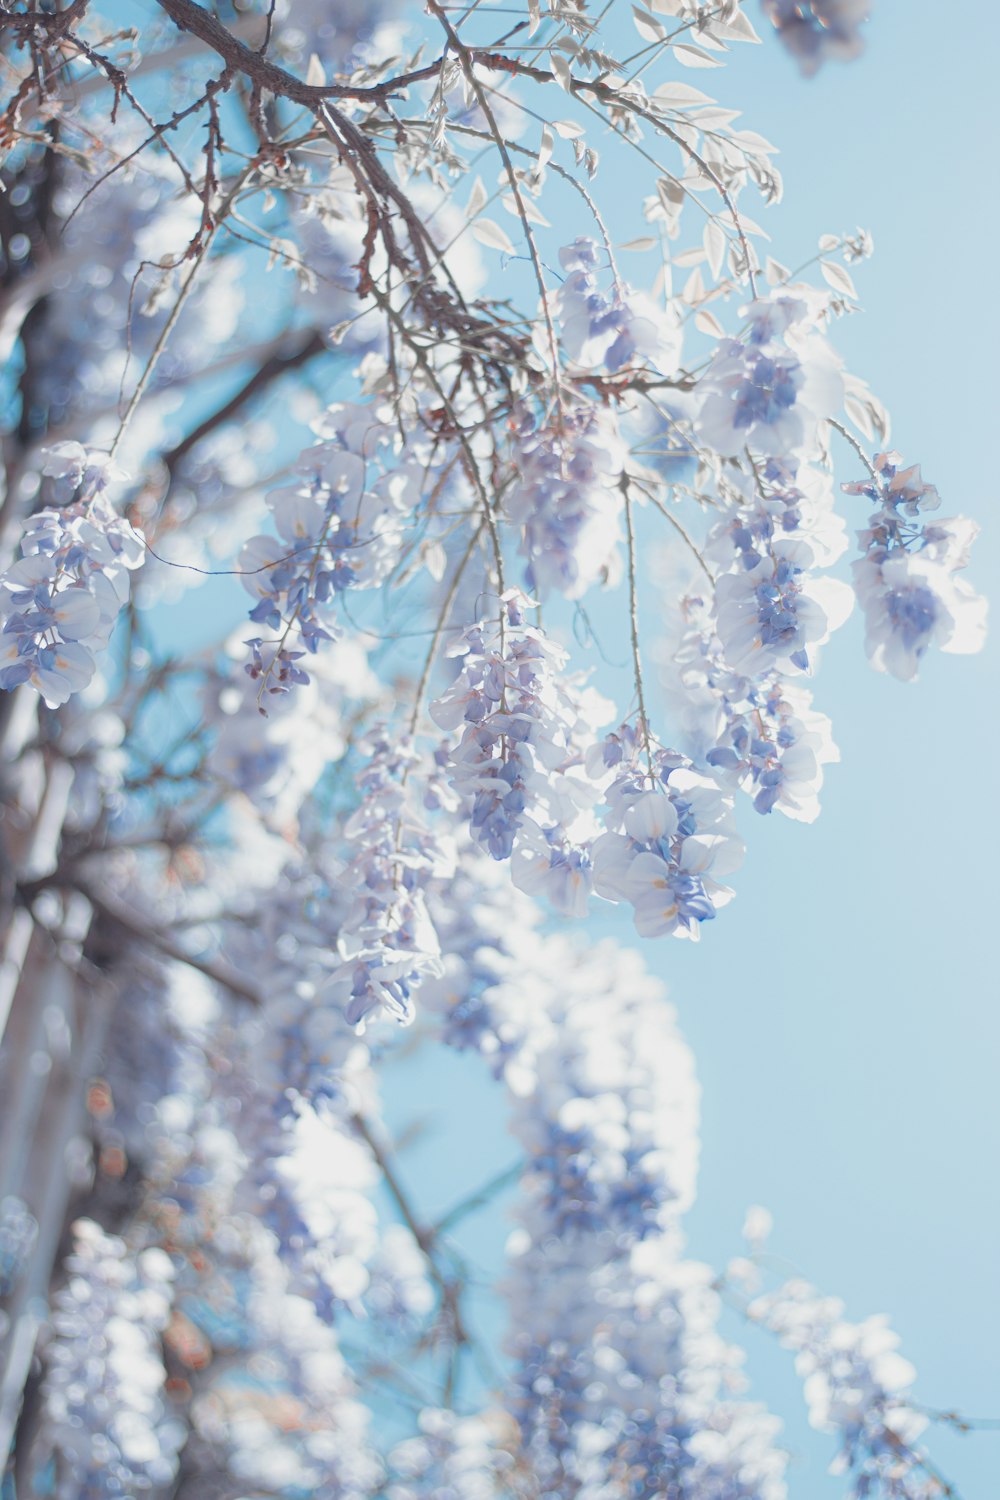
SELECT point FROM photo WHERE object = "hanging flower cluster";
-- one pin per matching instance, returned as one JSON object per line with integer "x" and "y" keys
{"x": 906, "y": 579}
{"x": 618, "y": 1368}
{"x": 624, "y": 331}
{"x": 517, "y": 766}
{"x": 770, "y": 390}
{"x": 387, "y": 942}
{"x": 565, "y": 498}
{"x": 856, "y": 1386}
{"x": 338, "y": 528}
{"x": 18, "y": 1233}
{"x": 814, "y": 30}
{"x": 669, "y": 838}
{"x": 60, "y": 601}
{"x": 760, "y": 734}
{"x": 105, "y": 1411}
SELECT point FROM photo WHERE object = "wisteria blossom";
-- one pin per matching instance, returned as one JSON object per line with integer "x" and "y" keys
{"x": 906, "y": 578}
{"x": 759, "y": 733}
{"x": 771, "y": 390}
{"x": 565, "y": 493}
{"x": 857, "y": 1387}
{"x": 105, "y": 1362}
{"x": 814, "y": 30}
{"x": 669, "y": 836}
{"x": 623, "y": 330}
{"x": 60, "y": 601}
{"x": 518, "y": 765}
{"x": 387, "y": 942}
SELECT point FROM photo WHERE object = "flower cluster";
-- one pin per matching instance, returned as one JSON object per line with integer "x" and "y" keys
{"x": 772, "y": 611}
{"x": 566, "y": 499}
{"x": 104, "y": 1408}
{"x": 770, "y": 390}
{"x": 855, "y": 1385}
{"x": 814, "y": 30}
{"x": 387, "y": 942}
{"x": 335, "y": 531}
{"x": 625, "y": 331}
{"x": 276, "y": 759}
{"x": 452, "y": 1457}
{"x": 670, "y": 835}
{"x": 619, "y": 1373}
{"x": 280, "y": 1413}
{"x": 759, "y": 733}
{"x": 518, "y": 763}
{"x": 906, "y": 578}
{"x": 18, "y": 1233}
{"x": 60, "y": 601}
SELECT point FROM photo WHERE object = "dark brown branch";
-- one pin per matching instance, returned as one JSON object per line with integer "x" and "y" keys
{"x": 271, "y": 370}
{"x": 116, "y": 912}
{"x": 268, "y": 75}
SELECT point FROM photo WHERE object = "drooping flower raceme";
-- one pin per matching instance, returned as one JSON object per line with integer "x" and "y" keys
{"x": 104, "y": 1411}
{"x": 774, "y": 511}
{"x": 625, "y": 330}
{"x": 518, "y": 765}
{"x": 814, "y": 30}
{"x": 620, "y": 1376}
{"x": 670, "y": 837}
{"x": 18, "y": 1233}
{"x": 337, "y": 527}
{"x": 906, "y": 579}
{"x": 566, "y": 498}
{"x": 855, "y": 1384}
{"x": 770, "y": 390}
{"x": 60, "y": 601}
{"x": 772, "y": 610}
{"x": 387, "y": 942}
{"x": 451, "y": 1457}
{"x": 759, "y": 733}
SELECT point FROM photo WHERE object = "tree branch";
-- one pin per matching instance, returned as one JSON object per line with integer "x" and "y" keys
{"x": 268, "y": 75}
{"x": 272, "y": 369}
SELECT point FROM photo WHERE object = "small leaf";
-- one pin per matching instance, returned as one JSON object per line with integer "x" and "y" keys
{"x": 489, "y": 233}
{"x": 644, "y": 242}
{"x": 563, "y": 74}
{"x": 688, "y": 258}
{"x": 695, "y": 57}
{"x": 568, "y": 129}
{"x": 738, "y": 28}
{"x": 545, "y": 149}
{"x": 714, "y": 241}
{"x": 749, "y": 140}
{"x": 859, "y": 415}
{"x": 477, "y": 199}
{"x": 694, "y": 288}
{"x": 315, "y": 72}
{"x": 709, "y": 323}
{"x": 531, "y": 213}
{"x": 435, "y": 560}
{"x": 676, "y": 95}
{"x": 648, "y": 28}
{"x": 835, "y": 276}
